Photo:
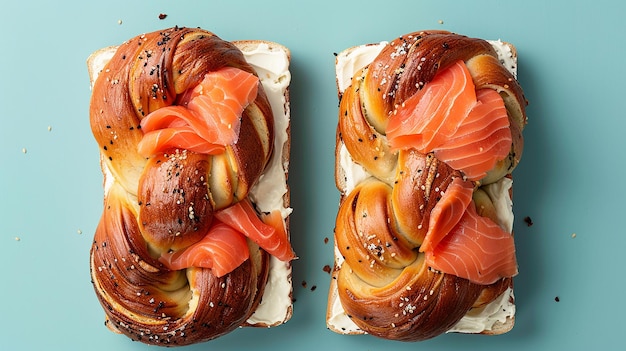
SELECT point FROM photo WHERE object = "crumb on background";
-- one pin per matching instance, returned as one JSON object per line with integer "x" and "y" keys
{"x": 162, "y": 16}
{"x": 528, "y": 220}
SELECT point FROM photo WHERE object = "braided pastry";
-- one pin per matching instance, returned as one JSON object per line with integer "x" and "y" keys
{"x": 408, "y": 198}
{"x": 164, "y": 196}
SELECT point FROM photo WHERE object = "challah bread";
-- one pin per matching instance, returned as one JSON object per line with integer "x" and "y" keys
{"x": 158, "y": 206}
{"x": 404, "y": 206}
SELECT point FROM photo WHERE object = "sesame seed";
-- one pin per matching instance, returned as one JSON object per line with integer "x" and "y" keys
{"x": 24, "y": 150}
{"x": 119, "y": 21}
{"x": 17, "y": 238}
{"x": 79, "y": 231}
{"x": 49, "y": 128}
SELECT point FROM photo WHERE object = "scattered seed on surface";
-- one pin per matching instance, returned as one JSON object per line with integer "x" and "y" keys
{"x": 17, "y": 238}
{"x": 573, "y": 235}
{"x": 557, "y": 299}
{"x": 119, "y": 21}
{"x": 79, "y": 231}
{"x": 162, "y": 16}
{"x": 529, "y": 222}
{"x": 24, "y": 150}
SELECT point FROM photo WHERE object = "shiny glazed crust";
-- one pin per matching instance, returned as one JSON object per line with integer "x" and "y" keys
{"x": 148, "y": 204}
{"x": 381, "y": 280}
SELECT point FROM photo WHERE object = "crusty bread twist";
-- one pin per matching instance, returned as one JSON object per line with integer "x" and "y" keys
{"x": 166, "y": 202}
{"x": 383, "y": 283}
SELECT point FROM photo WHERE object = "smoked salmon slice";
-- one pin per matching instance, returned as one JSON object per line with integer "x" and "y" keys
{"x": 222, "y": 250}
{"x": 432, "y": 115}
{"x": 481, "y": 140}
{"x": 212, "y": 110}
{"x": 467, "y": 129}
{"x": 271, "y": 236}
{"x": 180, "y": 137}
{"x": 477, "y": 249}
{"x": 447, "y": 212}
{"x": 224, "y": 247}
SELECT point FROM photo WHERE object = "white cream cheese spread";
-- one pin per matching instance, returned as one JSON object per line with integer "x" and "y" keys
{"x": 272, "y": 66}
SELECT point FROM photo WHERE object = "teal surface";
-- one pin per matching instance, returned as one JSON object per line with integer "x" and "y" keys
{"x": 570, "y": 180}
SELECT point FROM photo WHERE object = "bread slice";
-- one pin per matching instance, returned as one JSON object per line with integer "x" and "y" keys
{"x": 271, "y": 62}
{"x": 497, "y": 317}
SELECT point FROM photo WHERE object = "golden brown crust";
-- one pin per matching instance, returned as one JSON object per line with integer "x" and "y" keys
{"x": 383, "y": 283}
{"x": 147, "y": 208}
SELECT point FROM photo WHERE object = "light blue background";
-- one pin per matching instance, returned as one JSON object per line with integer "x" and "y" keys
{"x": 571, "y": 179}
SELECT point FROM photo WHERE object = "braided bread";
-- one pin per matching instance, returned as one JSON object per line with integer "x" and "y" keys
{"x": 160, "y": 204}
{"x": 393, "y": 226}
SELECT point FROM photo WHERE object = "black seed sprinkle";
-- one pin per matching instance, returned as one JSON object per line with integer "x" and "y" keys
{"x": 528, "y": 220}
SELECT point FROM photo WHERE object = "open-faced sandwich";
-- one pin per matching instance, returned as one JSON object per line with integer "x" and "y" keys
{"x": 194, "y": 138}
{"x": 429, "y": 131}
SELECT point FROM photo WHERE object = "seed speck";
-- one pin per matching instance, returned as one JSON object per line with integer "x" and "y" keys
{"x": 528, "y": 220}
